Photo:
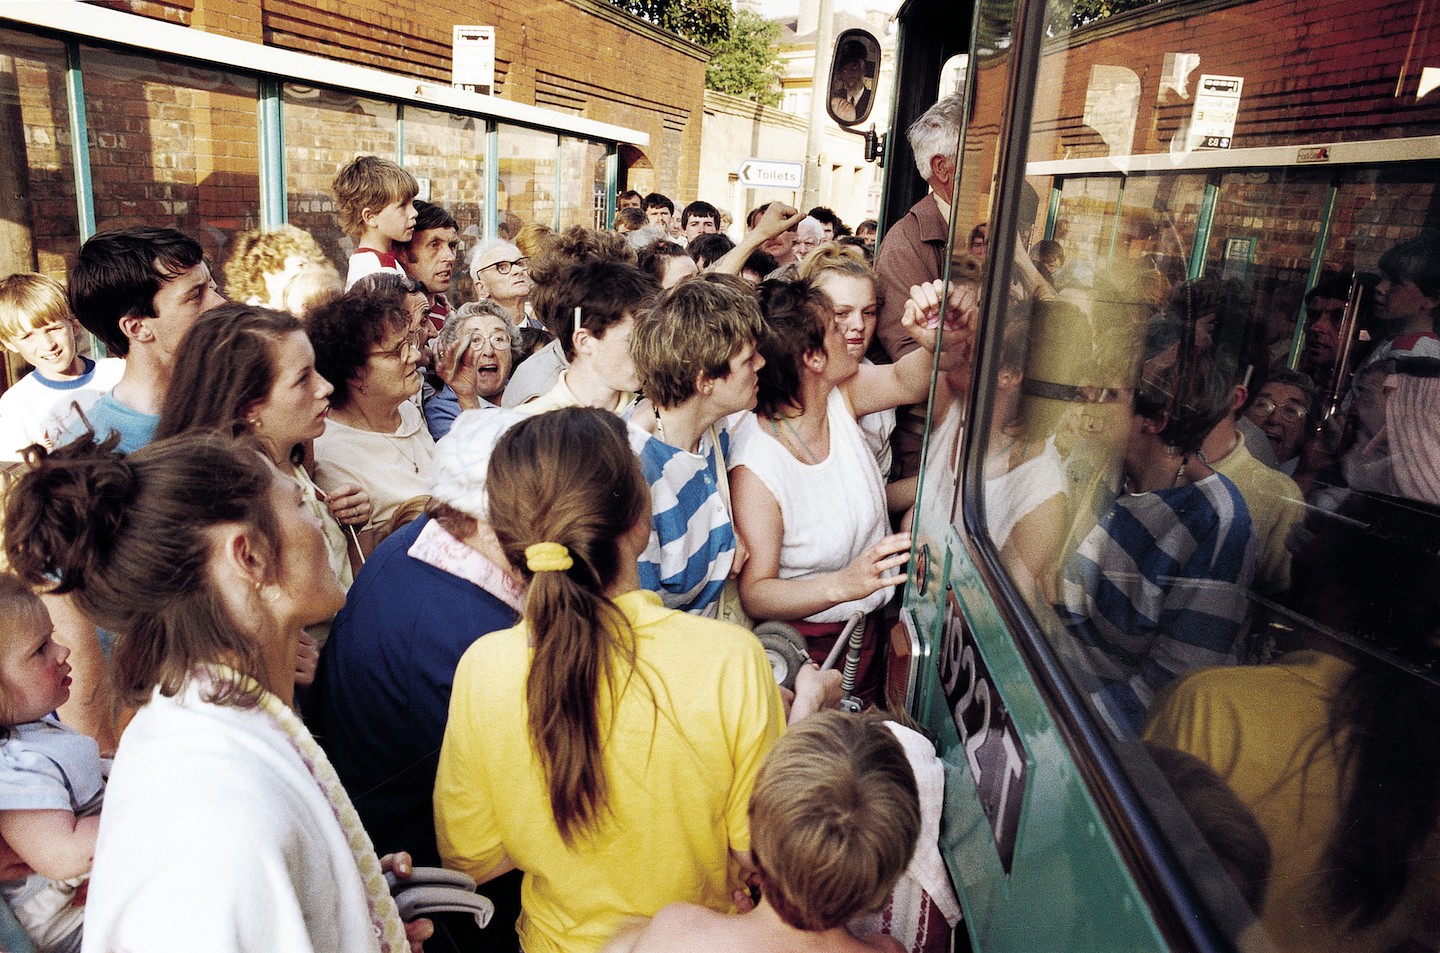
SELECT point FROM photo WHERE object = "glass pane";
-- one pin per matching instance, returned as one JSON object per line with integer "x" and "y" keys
{"x": 173, "y": 144}
{"x": 582, "y": 183}
{"x": 42, "y": 230}
{"x": 527, "y": 178}
{"x": 326, "y": 129}
{"x": 1247, "y": 605}
{"x": 1373, "y": 207}
{"x": 448, "y": 151}
{"x": 1256, "y": 243}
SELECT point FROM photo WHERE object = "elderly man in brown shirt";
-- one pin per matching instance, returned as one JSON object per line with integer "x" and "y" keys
{"x": 913, "y": 252}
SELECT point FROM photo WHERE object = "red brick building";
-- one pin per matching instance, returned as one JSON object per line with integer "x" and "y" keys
{"x": 223, "y": 115}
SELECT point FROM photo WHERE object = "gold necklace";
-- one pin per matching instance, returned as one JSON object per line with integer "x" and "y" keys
{"x": 794, "y": 450}
{"x": 392, "y": 439}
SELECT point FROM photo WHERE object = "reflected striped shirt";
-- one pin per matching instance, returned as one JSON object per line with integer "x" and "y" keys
{"x": 1158, "y": 588}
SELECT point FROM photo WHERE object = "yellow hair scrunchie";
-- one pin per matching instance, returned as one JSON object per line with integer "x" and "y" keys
{"x": 548, "y": 557}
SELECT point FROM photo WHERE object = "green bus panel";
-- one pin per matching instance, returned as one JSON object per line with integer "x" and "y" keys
{"x": 1067, "y": 887}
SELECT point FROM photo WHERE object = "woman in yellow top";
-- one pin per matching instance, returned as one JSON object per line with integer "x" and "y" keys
{"x": 606, "y": 746}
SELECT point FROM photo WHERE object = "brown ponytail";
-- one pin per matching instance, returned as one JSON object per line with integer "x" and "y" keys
{"x": 569, "y": 477}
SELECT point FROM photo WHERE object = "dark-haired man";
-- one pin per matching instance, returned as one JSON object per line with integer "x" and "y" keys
{"x": 699, "y": 218}
{"x": 429, "y": 256}
{"x": 659, "y": 209}
{"x": 139, "y": 290}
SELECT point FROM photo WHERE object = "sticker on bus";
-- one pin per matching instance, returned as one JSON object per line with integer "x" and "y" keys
{"x": 992, "y": 743}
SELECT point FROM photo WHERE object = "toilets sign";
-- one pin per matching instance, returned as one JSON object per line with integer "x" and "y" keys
{"x": 771, "y": 174}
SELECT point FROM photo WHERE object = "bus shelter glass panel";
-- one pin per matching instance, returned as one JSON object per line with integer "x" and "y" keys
{"x": 42, "y": 227}
{"x": 1239, "y": 592}
{"x": 446, "y": 153}
{"x": 1266, "y": 228}
{"x": 528, "y": 167}
{"x": 172, "y": 144}
{"x": 582, "y": 183}
{"x": 1084, "y": 222}
{"x": 325, "y": 129}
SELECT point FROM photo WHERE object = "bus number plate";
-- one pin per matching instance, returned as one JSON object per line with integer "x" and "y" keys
{"x": 992, "y": 744}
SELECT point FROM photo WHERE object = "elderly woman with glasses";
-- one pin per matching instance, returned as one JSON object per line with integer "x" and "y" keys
{"x": 474, "y": 356}
{"x": 367, "y": 346}
{"x": 502, "y": 274}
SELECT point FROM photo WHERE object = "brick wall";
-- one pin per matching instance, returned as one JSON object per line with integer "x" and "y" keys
{"x": 174, "y": 145}
{"x": 580, "y": 56}
{"x": 1315, "y": 71}
{"x": 49, "y": 176}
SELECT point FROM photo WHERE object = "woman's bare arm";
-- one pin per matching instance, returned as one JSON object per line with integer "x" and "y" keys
{"x": 765, "y": 595}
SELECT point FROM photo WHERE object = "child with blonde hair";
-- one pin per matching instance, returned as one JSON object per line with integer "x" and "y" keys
{"x": 834, "y": 818}
{"x": 37, "y": 324}
{"x": 376, "y": 201}
{"x": 268, "y": 267}
{"x": 52, "y": 778}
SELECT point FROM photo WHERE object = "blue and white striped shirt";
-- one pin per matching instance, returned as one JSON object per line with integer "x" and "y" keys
{"x": 692, "y": 541}
{"x": 1158, "y": 588}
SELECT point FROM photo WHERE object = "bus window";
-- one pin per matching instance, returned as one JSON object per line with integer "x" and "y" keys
{"x": 952, "y": 74}
{"x": 1232, "y": 563}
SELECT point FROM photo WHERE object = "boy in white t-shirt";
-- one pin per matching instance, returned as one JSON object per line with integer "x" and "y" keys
{"x": 376, "y": 201}
{"x": 36, "y": 323}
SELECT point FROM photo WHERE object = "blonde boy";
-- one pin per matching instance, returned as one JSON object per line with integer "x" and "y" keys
{"x": 36, "y": 323}
{"x": 834, "y": 818}
{"x": 375, "y": 198}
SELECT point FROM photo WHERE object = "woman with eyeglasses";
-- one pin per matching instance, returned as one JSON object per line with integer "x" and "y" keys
{"x": 368, "y": 348}
{"x": 1281, "y": 411}
{"x": 474, "y": 356}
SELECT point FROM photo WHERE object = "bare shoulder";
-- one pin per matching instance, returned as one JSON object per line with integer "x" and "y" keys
{"x": 677, "y": 927}
{"x": 880, "y": 943}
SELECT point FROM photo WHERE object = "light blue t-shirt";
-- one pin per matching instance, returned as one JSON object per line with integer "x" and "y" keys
{"x": 108, "y": 415}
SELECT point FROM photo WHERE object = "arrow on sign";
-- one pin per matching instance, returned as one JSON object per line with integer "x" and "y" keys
{"x": 771, "y": 174}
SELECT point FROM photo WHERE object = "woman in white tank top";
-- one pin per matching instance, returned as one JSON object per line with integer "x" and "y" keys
{"x": 809, "y": 501}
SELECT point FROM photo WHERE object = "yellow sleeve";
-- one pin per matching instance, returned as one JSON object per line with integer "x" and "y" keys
{"x": 466, "y": 829}
{"x": 753, "y": 725}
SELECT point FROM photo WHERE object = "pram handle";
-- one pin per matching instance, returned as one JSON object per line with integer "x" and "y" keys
{"x": 436, "y": 890}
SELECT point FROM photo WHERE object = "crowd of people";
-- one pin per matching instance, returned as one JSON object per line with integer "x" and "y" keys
{"x": 352, "y": 574}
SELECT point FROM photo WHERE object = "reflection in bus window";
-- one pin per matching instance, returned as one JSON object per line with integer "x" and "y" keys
{"x": 1204, "y": 468}
{"x": 1157, "y": 587}
{"x": 1407, "y": 302}
{"x": 1217, "y": 377}
{"x": 1333, "y": 749}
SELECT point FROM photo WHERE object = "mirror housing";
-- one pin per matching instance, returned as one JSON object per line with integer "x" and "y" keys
{"x": 854, "y": 70}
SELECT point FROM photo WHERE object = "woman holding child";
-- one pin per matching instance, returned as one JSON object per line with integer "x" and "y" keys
{"x": 224, "y": 826}
{"x": 606, "y": 746}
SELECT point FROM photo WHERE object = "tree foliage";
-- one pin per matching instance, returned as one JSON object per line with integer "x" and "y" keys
{"x": 707, "y": 22}
{"x": 1088, "y": 11}
{"x": 745, "y": 63}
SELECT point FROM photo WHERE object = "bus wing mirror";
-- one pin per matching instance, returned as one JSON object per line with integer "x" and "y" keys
{"x": 854, "y": 70}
